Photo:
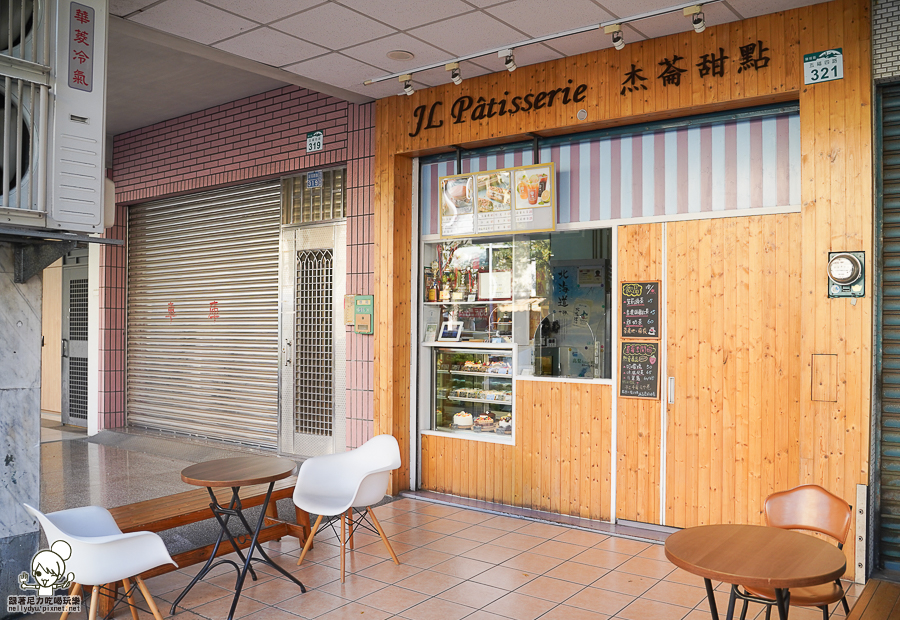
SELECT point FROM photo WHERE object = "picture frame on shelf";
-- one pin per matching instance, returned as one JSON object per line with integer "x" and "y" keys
{"x": 431, "y": 332}
{"x": 451, "y": 331}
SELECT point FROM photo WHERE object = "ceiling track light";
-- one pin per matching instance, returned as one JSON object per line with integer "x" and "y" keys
{"x": 406, "y": 80}
{"x": 618, "y": 39}
{"x": 509, "y": 60}
{"x": 698, "y": 19}
{"x": 453, "y": 68}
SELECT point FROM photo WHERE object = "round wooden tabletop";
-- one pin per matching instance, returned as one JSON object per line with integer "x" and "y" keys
{"x": 238, "y": 471}
{"x": 755, "y": 556}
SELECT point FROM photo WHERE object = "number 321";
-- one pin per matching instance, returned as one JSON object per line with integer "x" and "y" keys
{"x": 822, "y": 74}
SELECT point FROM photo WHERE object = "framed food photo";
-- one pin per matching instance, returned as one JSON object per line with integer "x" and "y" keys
{"x": 451, "y": 331}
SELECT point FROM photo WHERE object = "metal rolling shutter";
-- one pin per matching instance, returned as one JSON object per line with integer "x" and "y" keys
{"x": 202, "y": 353}
{"x": 889, "y": 531}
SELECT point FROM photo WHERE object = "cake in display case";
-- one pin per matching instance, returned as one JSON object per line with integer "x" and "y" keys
{"x": 473, "y": 390}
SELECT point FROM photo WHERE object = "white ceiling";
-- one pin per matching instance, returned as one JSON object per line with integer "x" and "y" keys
{"x": 336, "y": 45}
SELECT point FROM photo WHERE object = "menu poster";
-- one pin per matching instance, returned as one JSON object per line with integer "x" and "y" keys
{"x": 639, "y": 370}
{"x": 509, "y": 200}
{"x": 640, "y": 309}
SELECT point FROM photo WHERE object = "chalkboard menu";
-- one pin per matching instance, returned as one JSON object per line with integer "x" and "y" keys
{"x": 639, "y": 370}
{"x": 640, "y": 309}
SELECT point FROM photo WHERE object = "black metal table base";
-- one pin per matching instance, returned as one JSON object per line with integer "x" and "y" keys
{"x": 782, "y": 601}
{"x": 234, "y": 509}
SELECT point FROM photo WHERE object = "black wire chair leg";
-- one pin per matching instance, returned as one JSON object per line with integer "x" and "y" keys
{"x": 744, "y": 610}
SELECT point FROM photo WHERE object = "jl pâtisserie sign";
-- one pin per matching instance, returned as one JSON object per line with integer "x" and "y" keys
{"x": 467, "y": 108}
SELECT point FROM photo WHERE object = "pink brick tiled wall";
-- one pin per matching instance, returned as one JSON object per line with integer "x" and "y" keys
{"x": 250, "y": 139}
{"x": 360, "y": 270}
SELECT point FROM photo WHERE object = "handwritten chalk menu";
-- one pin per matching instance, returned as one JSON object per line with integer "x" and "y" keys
{"x": 640, "y": 309}
{"x": 505, "y": 201}
{"x": 639, "y": 370}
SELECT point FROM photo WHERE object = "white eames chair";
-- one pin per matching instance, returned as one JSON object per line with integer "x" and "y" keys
{"x": 333, "y": 485}
{"x": 102, "y": 554}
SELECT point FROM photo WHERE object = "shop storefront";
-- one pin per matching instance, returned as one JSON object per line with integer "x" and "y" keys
{"x": 601, "y": 282}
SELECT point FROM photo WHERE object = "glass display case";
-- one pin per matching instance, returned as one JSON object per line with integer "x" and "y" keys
{"x": 473, "y": 390}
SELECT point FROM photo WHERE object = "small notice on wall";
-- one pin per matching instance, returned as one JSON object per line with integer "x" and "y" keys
{"x": 640, "y": 309}
{"x": 639, "y": 370}
{"x": 823, "y": 66}
{"x": 315, "y": 141}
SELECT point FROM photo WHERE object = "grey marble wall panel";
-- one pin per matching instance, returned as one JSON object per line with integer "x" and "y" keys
{"x": 20, "y": 414}
{"x": 15, "y": 556}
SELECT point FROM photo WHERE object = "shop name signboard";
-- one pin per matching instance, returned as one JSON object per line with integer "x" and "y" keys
{"x": 504, "y": 201}
{"x": 468, "y": 108}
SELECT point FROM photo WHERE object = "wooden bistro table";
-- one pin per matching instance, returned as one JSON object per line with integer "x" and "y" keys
{"x": 235, "y": 473}
{"x": 755, "y": 556}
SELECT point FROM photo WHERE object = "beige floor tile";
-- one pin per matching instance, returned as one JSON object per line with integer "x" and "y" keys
{"x": 506, "y": 578}
{"x": 316, "y": 575}
{"x": 676, "y": 594}
{"x": 390, "y": 528}
{"x": 532, "y": 563}
{"x": 580, "y": 537}
{"x": 479, "y": 533}
{"x": 273, "y": 591}
{"x": 472, "y": 594}
{"x": 312, "y": 604}
{"x": 472, "y": 517}
{"x": 387, "y": 511}
{"x": 520, "y": 606}
{"x": 601, "y": 558}
{"x": 423, "y": 557}
{"x": 655, "y": 552}
{"x": 452, "y": 545}
{"x": 393, "y": 599}
{"x": 219, "y": 608}
{"x": 542, "y": 530}
{"x": 464, "y": 568}
{"x": 753, "y": 609}
{"x": 566, "y": 612}
{"x": 438, "y": 510}
{"x": 416, "y": 537}
{"x": 272, "y": 613}
{"x": 550, "y": 589}
{"x": 623, "y": 545}
{"x": 409, "y": 504}
{"x": 354, "y": 587}
{"x": 625, "y": 583}
{"x": 583, "y": 574}
{"x": 429, "y": 582}
{"x": 508, "y": 524}
{"x": 176, "y": 580}
{"x": 437, "y": 609}
{"x": 647, "y": 567}
{"x": 354, "y": 561}
{"x": 354, "y": 611}
{"x": 413, "y": 519}
{"x": 558, "y": 550}
{"x": 641, "y": 609}
{"x": 320, "y": 551}
{"x": 483, "y": 615}
{"x": 378, "y": 549}
{"x": 201, "y": 593}
{"x": 444, "y": 526}
{"x": 601, "y": 601}
{"x": 388, "y": 572}
{"x": 493, "y": 554}
{"x": 682, "y": 576}
{"x": 514, "y": 540}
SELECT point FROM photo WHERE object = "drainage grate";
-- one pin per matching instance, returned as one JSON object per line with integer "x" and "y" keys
{"x": 314, "y": 354}
{"x": 78, "y": 309}
{"x": 78, "y": 388}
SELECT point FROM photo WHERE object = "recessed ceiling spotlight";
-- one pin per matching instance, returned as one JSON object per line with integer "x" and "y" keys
{"x": 618, "y": 39}
{"x": 509, "y": 61}
{"x": 400, "y": 55}
{"x": 698, "y": 20}
{"x": 406, "y": 80}
{"x": 453, "y": 68}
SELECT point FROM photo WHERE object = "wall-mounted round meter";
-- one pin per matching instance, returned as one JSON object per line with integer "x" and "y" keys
{"x": 844, "y": 268}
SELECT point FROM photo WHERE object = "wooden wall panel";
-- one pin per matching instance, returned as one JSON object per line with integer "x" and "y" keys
{"x": 733, "y": 431}
{"x": 638, "y": 432}
{"x": 561, "y": 462}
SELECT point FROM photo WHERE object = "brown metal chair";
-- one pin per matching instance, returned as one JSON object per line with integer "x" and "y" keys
{"x": 812, "y": 508}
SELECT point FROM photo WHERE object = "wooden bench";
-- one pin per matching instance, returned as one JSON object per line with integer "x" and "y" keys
{"x": 880, "y": 600}
{"x": 165, "y": 513}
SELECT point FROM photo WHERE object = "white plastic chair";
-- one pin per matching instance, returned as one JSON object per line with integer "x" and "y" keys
{"x": 333, "y": 485}
{"x": 102, "y": 554}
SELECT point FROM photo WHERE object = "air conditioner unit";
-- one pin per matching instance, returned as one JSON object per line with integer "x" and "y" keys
{"x": 53, "y": 109}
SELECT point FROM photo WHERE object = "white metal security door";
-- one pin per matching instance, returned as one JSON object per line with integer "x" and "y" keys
{"x": 203, "y": 314}
{"x": 313, "y": 338}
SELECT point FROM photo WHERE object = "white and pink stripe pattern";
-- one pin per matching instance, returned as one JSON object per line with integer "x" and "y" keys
{"x": 734, "y": 165}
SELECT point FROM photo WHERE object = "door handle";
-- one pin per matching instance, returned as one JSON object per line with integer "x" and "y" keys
{"x": 671, "y": 390}
{"x": 65, "y": 347}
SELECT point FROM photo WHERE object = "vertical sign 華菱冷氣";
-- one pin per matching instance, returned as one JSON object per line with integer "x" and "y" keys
{"x": 81, "y": 39}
